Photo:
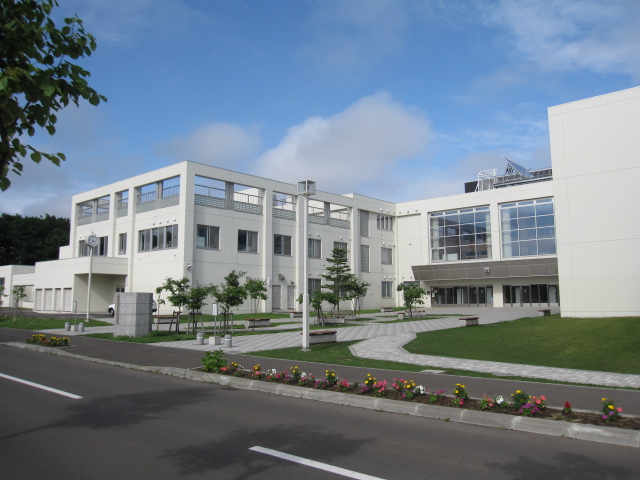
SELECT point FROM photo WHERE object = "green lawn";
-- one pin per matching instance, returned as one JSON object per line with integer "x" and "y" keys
{"x": 600, "y": 344}
{"x": 153, "y": 337}
{"x": 37, "y": 323}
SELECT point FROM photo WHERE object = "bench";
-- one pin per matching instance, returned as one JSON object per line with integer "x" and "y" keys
{"x": 386, "y": 309}
{"x": 545, "y": 312}
{"x": 295, "y": 314}
{"x": 469, "y": 321}
{"x": 334, "y": 320}
{"x": 416, "y": 313}
{"x": 168, "y": 319}
{"x": 258, "y": 322}
{"x": 322, "y": 336}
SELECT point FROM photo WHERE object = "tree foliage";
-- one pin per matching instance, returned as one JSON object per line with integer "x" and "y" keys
{"x": 412, "y": 294}
{"x": 178, "y": 292}
{"x": 356, "y": 291}
{"x": 256, "y": 290}
{"x": 229, "y": 294}
{"x": 27, "y": 240}
{"x": 37, "y": 77}
{"x": 338, "y": 277}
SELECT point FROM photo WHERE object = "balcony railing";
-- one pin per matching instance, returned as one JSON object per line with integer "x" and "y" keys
{"x": 243, "y": 202}
{"x": 210, "y": 196}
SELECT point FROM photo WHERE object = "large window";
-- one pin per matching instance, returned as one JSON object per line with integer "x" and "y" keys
{"x": 282, "y": 245}
{"x": 528, "y": 228}
{"x": 387, "y": 256}
{"x": 364, "y": 258}
{"x": 463, "y": 234}
{"x": 314, "y": 247}
{"x": 387, "y": 289}
{"x": 340, "y": 245}
{"x": 158, "y": 238}
{"x": 247, "y": 241}
{"x": 84, "y": 250}
{"x": 314, "y": 285}
{"x": 208, "y": 237}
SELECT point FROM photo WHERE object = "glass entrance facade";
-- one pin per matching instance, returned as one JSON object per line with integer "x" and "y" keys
{"x": 465, "y": 295}
{"x": 540, "y": 294}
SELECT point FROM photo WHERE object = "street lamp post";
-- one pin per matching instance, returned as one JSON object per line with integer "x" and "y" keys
{"x": 306, "y": 188}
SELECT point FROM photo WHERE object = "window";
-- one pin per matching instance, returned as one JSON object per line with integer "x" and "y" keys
{"x": 122, "y": 244}
{"x": 387, "y": 289}
{"x": 158, "y": 238}
{"x": 314, "y": 247}
{"x": 341, "y": 245}
{"x": 364, "y": 223}
{"x": 208, "y": 237}
{"x": 314, "y": 285}
{"x": 364, "y": 258}
{"x": 247, "y": 241}
{"x": 387, "y": 256}
{"x": 84, "y": 250}
{"x": 528, "y": 228}
{"x": 384, "y": 222}
{"x": 463, "y": 234}
{"x": 282, "y": 245}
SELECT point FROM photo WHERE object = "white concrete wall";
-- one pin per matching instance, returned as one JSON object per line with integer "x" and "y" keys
{"x": 595, "y": 150}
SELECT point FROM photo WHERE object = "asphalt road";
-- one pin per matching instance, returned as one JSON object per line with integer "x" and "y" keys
{"x": 132, "y": 424}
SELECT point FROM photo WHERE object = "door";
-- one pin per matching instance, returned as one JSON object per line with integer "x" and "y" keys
{"x": 275, "y": 297}
{"x": 291, "y": 297}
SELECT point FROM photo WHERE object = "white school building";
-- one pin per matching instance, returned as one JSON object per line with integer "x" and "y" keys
{"x": 568, "y": 235}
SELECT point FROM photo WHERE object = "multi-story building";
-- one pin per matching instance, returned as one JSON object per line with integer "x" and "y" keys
{"x": 565, "y": 236}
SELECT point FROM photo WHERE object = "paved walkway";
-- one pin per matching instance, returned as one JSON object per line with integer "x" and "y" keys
{"x": 384, "y": 341}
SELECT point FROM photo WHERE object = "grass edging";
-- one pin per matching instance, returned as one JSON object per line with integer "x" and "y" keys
{"x": 629, "y": 438}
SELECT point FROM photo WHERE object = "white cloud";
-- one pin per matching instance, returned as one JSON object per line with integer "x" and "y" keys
{"x": 558, "y": 35}
{"x": 352, "y": 151}
{"x": 221, "y": 144}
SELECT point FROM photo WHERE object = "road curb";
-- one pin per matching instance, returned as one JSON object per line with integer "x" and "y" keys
{"x": 592, "y": 433}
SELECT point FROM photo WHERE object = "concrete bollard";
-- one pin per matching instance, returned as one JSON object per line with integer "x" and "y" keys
{"x": 200, "y": 338}
{"x": 227, "y": 341}
{"x": 67, "y": 326}
{"x": 81, "y": 327}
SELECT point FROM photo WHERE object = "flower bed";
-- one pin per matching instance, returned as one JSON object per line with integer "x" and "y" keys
{"x": 407, "y": 390}
{"x": 41, "y": 339}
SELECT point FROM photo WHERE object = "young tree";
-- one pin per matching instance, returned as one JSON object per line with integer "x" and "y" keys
{"x": 178, "y": 292}
{"x": 412, "y": 294}
{"x": 37, "y": 77}
{"x": 18, "y": 295}
{"x": 339, "y": 277}
{"x": 229, "y": 294}
{"x": 195, "y": 301}
{"x": 315, "y": 300}
{"x": 356, "y": 291}
{"x": 256, "y": 290}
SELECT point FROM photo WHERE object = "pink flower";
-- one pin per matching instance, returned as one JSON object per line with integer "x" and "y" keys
{"x": 543, "y": 398}
{"x": 619, "y": 410}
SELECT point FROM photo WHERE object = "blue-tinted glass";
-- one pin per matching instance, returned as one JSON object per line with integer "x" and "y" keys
{"x": 529, "y": 222}
{"x": 526, "y": 211}
{"x": 546, "y": 232}
{"x": 544, "y": 209}
{"x": 546, "y": 247}
{"x": 528, "y": 234}
{"x": 510, "y": 224}
{"x": 546, "y": 221}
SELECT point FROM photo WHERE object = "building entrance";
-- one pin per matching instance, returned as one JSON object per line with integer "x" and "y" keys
{"x": 467, "y": 295}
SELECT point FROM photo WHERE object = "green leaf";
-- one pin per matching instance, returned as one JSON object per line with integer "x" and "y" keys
{"x": 36, "y": 157}
{"x": 94, "y": 100}
{"x": 50, "y": 90}
{"x": 51, "y": 129}
{"x": 4, "y": 81}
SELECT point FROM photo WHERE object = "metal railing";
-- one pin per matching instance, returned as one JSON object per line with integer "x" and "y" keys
{"x": 171, "y": 191}
{"x": 210, "y": 191}
{"x": 246, "y": 198}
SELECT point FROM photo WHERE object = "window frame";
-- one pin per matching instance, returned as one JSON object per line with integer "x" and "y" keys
{"x": 386, "y": 256}
{"x": 250, "y": 241}
{"x": 314, "y": 244}
{"x": 212, "y": 232}
{"x": 386, "y": 287}
{"x": 283, "y": 244}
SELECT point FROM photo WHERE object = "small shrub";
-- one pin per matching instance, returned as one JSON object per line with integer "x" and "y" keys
{"x": 331, "y": 376}
{"x": 214, "y": 361}
{"x": 256, "y": 374}
{"x": 406, "y": 388}
{"x": 435, "y": 397}
{"x": 460, "y": 395}
{"x": 295, "y": 375}
{"x": 610, "y": 413}
{"x": 487, "y": 403}
{"x": 567, "y": 408}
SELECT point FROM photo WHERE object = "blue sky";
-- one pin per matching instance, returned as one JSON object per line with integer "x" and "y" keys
{"x": 395, "y": 99}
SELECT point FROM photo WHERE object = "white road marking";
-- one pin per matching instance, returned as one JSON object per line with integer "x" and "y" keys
{"x": 43, "y": 387}
{"x": 314, "y": 464}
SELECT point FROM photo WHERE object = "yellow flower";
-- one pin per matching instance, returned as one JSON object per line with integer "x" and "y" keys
{"x": 603, "y": 399}
{"x": 462, "y": 386}
{"x": 456, "y": 391}
{"x": 610, "y": 407}
{"x": 518, "y": 391}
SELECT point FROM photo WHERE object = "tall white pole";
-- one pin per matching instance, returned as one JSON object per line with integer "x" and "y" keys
{"x": 305, "y": 274}
{"x": 89, "y": 283}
